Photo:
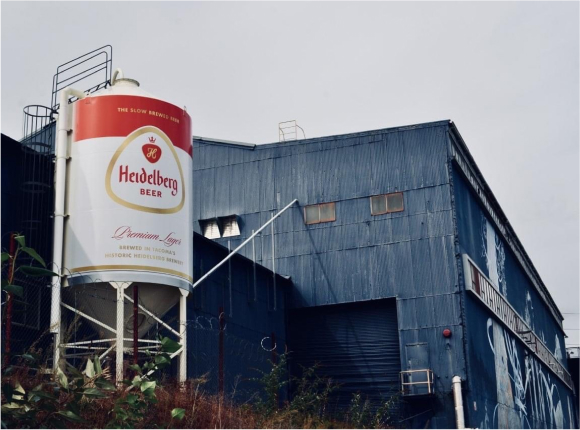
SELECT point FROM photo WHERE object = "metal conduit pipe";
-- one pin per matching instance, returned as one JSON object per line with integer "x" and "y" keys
{"x": 117, "y": 74}
{"x": 244, "y": 243}
{"x": 458, "y": 400}
{"x": 60, "y": 168}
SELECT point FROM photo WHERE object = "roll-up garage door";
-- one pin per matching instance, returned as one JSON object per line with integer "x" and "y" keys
{"x": 355, "y": 344}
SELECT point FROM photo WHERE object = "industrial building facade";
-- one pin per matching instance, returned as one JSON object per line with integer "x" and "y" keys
{"x": 400, "y": 260}
{"x": 395, "y": 271}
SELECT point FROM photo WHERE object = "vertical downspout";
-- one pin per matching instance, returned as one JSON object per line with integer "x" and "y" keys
{"x": 61, "y": 153}
{"x": 458, "y": 400}
{"x": 458, "y": 259}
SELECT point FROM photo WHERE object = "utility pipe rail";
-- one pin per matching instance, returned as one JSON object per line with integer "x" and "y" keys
{"x": 61, "y": 152}
{"x": 244, "y": 243}
{"x": 92, "y": 342}
{"x": 82, "y": 314}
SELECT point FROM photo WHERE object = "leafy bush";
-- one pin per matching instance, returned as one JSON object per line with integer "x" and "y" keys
{"x": 51, "y": 404}
{"x": 88, "y": 399}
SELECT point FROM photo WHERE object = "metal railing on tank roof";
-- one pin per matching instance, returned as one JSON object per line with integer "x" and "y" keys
{"x": 95, "y": 67}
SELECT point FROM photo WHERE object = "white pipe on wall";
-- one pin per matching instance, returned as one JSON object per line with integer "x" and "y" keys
{"x": 235, "y": 251}
{"x": 458, "y": 399}
{"x": 61, "y": 153}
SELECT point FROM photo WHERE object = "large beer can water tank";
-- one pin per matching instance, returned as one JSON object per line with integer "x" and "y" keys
{"x": 129, "y": 196}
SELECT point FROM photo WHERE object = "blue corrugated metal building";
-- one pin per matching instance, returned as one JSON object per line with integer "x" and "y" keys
{"x": 400, "y": 260}
{"x": 396, "y": 264}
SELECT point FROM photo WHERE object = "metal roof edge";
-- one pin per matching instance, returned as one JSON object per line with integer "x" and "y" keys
{"x": 213, "y": 141}
{"x": 356, "y": 134}
{"x": 519, "y": 248}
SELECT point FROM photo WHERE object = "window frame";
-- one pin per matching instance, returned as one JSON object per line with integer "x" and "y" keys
{"x": 319, "y": 206}
{"x": 387, "y": 211}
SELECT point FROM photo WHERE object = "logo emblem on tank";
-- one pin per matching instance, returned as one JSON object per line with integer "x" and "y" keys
{"x": 151, "y": 151}
{"x": 156, "y": 185}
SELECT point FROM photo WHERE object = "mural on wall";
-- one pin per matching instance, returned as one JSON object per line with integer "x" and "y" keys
{"x": 529, "y": 312}
{"x": 494, "y": 254}
{"x": 530, "y": 321}
{"x": 558, "y": 351}
{"x": 527, "y": 397}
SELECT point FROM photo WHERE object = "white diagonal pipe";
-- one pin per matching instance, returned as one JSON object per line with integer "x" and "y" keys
{"x": 235, "y": 251}
{"x": 458, "y": 400}
{"x": 61, "y": 153}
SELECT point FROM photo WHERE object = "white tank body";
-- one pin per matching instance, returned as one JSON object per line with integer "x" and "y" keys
{"x": 129, "y": 200}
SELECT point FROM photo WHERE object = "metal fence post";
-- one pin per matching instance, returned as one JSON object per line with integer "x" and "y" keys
{"x": 10, "y": 301}
{"x": 254, "y": 266}
{"x": 135, "y": 324}
{"x": 274, "y": 262}
{"x": 222, "y": 320}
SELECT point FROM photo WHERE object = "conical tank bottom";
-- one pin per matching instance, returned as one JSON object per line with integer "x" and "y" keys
{"x": 99, "y": 301}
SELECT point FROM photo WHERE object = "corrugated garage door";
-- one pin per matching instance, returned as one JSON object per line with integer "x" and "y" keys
{"x": 356, "y": 344}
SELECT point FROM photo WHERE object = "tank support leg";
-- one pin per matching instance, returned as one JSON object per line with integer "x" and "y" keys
{"x": 56, "y": 363}
{"x": 183, "y": 335}
{"x": 120, "y": 286}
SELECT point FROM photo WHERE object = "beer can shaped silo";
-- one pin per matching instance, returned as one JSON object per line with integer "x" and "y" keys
{"x": 129, "y": 196}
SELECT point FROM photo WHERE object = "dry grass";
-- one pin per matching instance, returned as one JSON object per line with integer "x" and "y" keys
{"x": 202, "y": 409}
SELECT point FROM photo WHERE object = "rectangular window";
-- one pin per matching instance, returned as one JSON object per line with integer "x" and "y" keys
{"x": 312, "y": 214}
{"x": 395, "y": 202}
{"x": 387, "y": 203}
{"x": 327, "y": 213}
{"x": 324, "y": 212}
{"x": 378, "y": 205}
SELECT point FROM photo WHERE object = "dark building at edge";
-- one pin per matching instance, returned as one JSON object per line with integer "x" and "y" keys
{"x": 396, "y": 265}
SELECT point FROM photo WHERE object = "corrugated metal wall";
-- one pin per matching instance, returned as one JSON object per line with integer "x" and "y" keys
{"x": 409, "y": 255}
{"x": 249, "y": 320}
{"x": 509, "y": 387}
{"x": 26, "y": 209}
{"x": 12, "y": 156}
{"x": 354, "y": 344}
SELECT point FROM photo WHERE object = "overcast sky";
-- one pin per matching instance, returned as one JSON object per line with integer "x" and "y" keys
{"x": 505, "y": 73}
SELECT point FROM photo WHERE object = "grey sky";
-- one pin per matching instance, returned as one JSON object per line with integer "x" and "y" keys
{"x": 505, "y": 73}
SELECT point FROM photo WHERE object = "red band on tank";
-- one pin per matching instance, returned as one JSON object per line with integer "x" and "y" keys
{"x": 119, "y": 116}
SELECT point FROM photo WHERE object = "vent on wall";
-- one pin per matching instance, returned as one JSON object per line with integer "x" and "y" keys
{"x": 226, "y": 226}
{"x": 230, "y": 226}
{"x": 210, "y": 228}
